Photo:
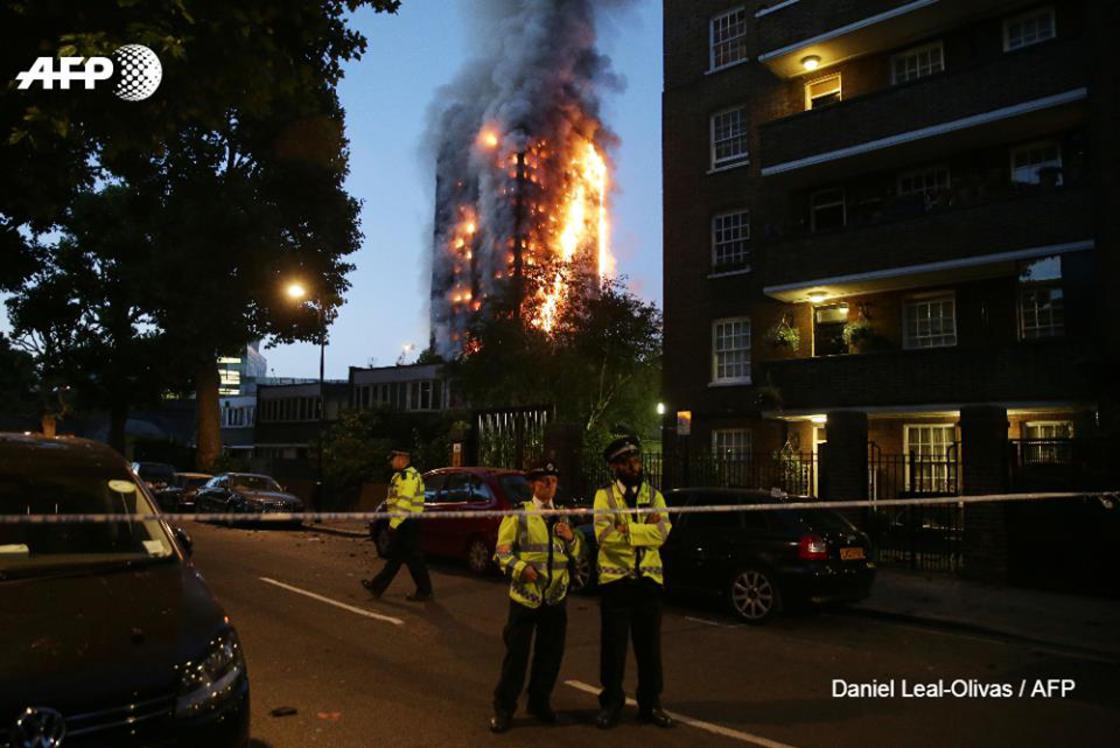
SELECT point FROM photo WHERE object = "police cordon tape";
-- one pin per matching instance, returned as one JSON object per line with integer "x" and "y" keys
{"x": 1108, "y": 499}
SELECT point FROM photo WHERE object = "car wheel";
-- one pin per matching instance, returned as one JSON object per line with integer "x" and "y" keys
{"x": 381, "y": 541}
{"x": 478, "y": 556}
{"x": 754, "y": 596}
{"x": 583, "y": 575}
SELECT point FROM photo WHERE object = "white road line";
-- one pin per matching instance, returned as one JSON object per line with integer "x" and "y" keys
{"x": 706, "y": 622}
{"x": 335, "y": 603}
{"x": 699, "y": 724}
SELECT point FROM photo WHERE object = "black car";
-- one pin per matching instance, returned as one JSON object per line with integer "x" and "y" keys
{"x": 179, "y": 496}
{"x": 760, "y": 562}
{"x": 245, "y": 493}
{"x": 111, "y": 636}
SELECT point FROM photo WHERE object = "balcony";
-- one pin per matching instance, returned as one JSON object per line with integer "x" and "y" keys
{"x": 838, "y": 30}
{"x": 1056, "y": 370}
{"x": 974, "y": 234}
{"x": 1023, "y": 95}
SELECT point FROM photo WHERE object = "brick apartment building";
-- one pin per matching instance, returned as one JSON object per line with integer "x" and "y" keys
{"x": 892, "y": 225}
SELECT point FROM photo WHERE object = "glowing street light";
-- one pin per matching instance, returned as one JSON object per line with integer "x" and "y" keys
{"x": 661, "y": 409}
{"x": 296, "y": 291}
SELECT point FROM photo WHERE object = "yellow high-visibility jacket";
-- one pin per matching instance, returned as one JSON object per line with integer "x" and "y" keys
{"x": 406, "y": 494}
{"x": 524, "y": 540}
{"x": 635, "y": 553}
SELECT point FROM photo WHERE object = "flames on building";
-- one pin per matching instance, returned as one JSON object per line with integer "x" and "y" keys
{"x": 523, "y": 173}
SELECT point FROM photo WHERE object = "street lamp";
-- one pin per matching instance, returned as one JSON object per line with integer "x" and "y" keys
{"x": 298, "y": 293}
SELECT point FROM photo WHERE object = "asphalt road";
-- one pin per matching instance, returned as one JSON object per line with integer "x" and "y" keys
{"x": 361, "y": 672}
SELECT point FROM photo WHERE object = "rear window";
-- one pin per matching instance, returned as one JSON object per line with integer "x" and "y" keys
{"x": 816, "y": 519}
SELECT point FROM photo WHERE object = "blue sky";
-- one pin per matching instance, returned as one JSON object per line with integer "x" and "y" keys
{"x": 387, "y": 95}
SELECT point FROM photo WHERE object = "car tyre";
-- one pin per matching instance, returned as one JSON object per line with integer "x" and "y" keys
{"x": 478, "y": 556}
{"x": 583, "y": 578}
{"x": 754, "y": 595}
{"x": 381, "y": 540}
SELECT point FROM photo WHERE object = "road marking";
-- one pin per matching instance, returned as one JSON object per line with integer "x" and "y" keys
{"x": 717, "y": 624}
{"x": 699, "y": 724}
{"x": 335, "y": 603}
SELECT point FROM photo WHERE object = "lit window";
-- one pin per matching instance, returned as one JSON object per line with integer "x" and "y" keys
{"x": 1041, "y": 303}
{"x": 931, "y": 322}
{"x": 731, "y": 350}
{"x": 926, "y": 182}
{"x": 1029, "y": 28}
{"x": 827, "y": 210}
{"x": 1048, "y": 442}
{"x": 1029, "y": 163}
{"x": 729, "y": 138}
{"x": 822, "y": 92}
{"x": 917, "y": 63}
{"x": 930, "y": 458}
{"x": 730, "y": 235}
{"x": 728, "y": 39}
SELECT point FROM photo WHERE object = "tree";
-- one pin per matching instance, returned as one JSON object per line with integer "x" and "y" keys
{"x": 84, "y": 313}
{"x": 18, "y": 401}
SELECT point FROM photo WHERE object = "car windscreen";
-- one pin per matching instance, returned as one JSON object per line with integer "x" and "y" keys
{"x": 516, "y": 488}
{"x": 27, "y": 548}
{"x": 254, "y": 483}
{"x": 192, "y": 484}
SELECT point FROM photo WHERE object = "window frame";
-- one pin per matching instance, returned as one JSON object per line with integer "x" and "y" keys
{"x": 813, "y": 208}
{"x": 1034, "y": 12}
{"x": 715, "y": 352}
{"x": 741, "y": 38}
{"x": 1051, "y": 330}
{"x": 748, "y": 442}
{"x": 1033, "y": 145}
{"x": 912, "y": 301}
{"x": 745, "y": 227}
{"x": 939, "y": 45}
{"x": 1046, "y": 450}
{"x": 911, "y": 173}
{"x": 940, "y": 477}
{"x": 822, "y": 79}
{"x": 729, "y": 162}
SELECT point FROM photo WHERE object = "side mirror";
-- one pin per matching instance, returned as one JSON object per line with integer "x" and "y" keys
{"x": 184, "y": 540}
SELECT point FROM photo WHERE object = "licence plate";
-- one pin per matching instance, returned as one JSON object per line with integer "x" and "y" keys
{"x": 851, "y": 554}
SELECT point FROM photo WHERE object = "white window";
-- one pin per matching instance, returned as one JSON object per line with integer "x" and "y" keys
{"x": 728, "y": 39}
{"x": 1041, "y": 312}
{"x": 917, "y": 63}
{"x": 931, "y": 322}
{"x": 823, "y": 92}
{"x": 732, "y": 444}
{"x": 827, "y": 210}
{"x": 1030, "y": 162}
{"x": 930, "y": 458}
{"x": 1048, "y": 442}
{"x": 731, "y": 233}
{"x": 1029, "y": 28}
{"x": 926, "y": 182}
{"x": 731, "y": 351}
{"x": 729, "y": 138}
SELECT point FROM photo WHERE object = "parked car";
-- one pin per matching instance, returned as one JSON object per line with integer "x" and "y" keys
{"x": 179, "y": 496}
{"x": 462, "y": 489}
{"x": 759, "y": 562}
{"x": 245, "y": 493}
{"x": 158, "y": 475}
{"x": 111, "y": 636}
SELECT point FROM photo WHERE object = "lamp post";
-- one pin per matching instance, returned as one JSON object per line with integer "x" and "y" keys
{"x": 298, "y": 293}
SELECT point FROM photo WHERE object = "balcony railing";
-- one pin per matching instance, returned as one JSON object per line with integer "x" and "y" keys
{"x": 940, "y": 100}
{"x": 1041, "y": 370}
{"x": 974, "y": 219}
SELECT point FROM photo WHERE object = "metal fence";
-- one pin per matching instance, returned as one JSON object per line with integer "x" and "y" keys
{"x": 793, "y": 472}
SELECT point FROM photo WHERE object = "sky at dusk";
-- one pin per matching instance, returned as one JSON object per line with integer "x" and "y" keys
{"x": 387, "y": 96}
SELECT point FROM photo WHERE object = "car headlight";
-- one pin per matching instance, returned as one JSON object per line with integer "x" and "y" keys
{"x": 209, "y": 681}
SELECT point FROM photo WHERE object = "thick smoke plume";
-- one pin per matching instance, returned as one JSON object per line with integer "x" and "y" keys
{"x": 505, "y": 136}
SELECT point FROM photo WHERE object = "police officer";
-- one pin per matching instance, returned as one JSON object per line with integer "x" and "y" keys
{"x": 630, "y": 578}
{"x": 406, "y": 494}
{"x": 534, "y": 551}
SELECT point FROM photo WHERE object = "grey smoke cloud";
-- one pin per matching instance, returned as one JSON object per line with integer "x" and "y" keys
{"x": 536, "y": 74}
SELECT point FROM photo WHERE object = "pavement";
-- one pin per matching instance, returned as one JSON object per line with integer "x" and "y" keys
{"x": 1073, "y": 621}
{"x": 347, "y": 669}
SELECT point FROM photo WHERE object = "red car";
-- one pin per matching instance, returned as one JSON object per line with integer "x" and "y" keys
{"x": 462, "y": 489}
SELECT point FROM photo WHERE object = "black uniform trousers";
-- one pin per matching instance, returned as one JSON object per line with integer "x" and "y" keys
{"x": 404, "y": 548}
{"x": 630, "y": 608}
{"x": 551, "y": 625}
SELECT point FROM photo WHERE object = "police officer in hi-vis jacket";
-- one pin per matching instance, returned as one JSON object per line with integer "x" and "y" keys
{"x": 533, "y": 550}
{"x": 406, "y": 495}
{"x": 630, "y": 579}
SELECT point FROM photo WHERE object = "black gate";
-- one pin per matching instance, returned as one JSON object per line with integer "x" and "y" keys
{"x": 510, "y": 437}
